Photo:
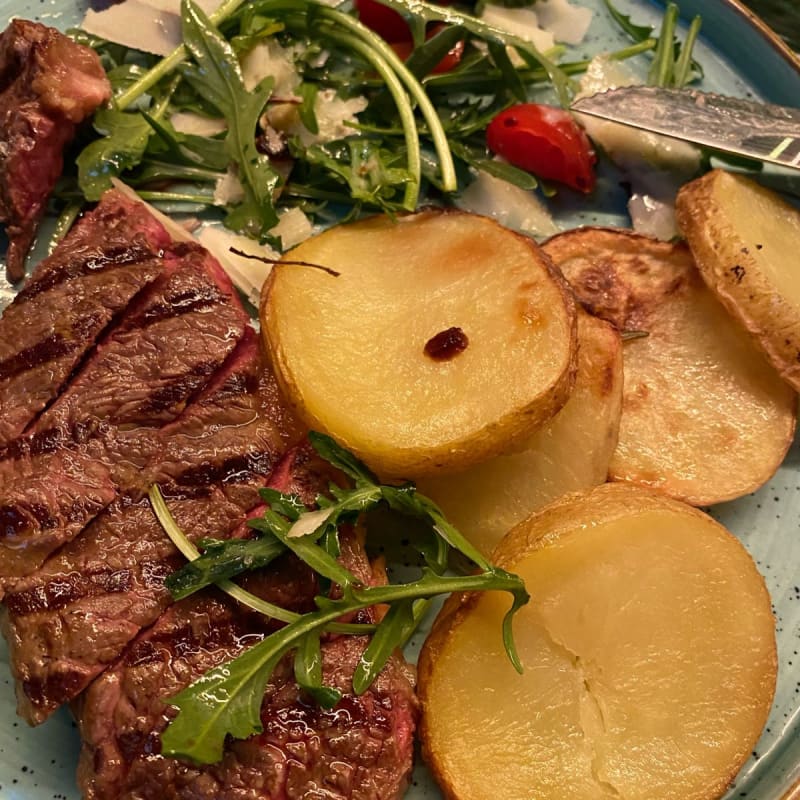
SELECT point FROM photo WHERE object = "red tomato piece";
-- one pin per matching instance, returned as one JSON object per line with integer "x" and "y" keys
{"x": 387, "y": 23}
{"x": 545, "y": 141}
{"x": 451, "y": 59}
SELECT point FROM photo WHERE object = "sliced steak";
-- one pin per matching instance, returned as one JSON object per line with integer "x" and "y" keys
{"x": 70, "y": 619}
{"x": 233, "y": 435}
{"x": 155, "y": 360}
{"x": 48, "y": 84}
{"x": 73, "y": 617}
{"x": 72, "y": 296}
{"x": 46, "y": 500}
{"x": 164, "y": 350}
{"x": 362, "y": 749}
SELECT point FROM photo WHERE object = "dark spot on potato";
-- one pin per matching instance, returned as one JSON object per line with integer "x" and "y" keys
{"x": 745, "y": 251}
{"x": 446, "y": 344}
{"x": 738, "y": 272}
{"x": 608, "y": 380}
{"x": 759, "y": 246}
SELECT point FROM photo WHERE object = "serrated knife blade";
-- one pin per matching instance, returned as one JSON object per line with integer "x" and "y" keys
{"x": 761, "y": 131}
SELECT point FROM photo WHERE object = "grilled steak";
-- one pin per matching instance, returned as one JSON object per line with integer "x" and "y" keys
{"x": 170, "y": 342}
{"x": 163, "y": 351}
{"x": 165, "y": 385}
{"x": 70, "y": 619}
{"x": 72, "y": 296}
{"x": 362, "y": 749}
{"x": 48, "y": 84}
{"x": 45, "y": 500}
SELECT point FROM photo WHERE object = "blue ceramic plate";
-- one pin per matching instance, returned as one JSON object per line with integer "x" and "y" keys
{"x": 740, "y": 57}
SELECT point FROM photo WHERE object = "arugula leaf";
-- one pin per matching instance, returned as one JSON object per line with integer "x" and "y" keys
{"x": 308, "y": 94}
{"x": 336, "y": 455}
{"x": 508, "y": 71}
{"x": 308, "y": 671}
{"x": 639, "y": 33}
{"x": 217, "y": 75}
{"x": 125, "y": 136}
{"x": 477, "y": 157}
{"x": 393, "y": 632}
{"x": 185, "y": 148}
{"x": 227, "y": 699}
{"x": 424, "y": 58}
{"x": 222, "y": 560}
{"x": 305, "y": 548}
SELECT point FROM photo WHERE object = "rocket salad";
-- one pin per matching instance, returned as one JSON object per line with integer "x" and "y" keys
{"x": 419, "y": 109}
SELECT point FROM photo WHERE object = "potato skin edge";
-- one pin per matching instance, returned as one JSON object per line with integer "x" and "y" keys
{"x": 734, "y": 276}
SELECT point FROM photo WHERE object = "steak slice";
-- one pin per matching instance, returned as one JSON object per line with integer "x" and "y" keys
{"x": 163, "y": 351}
{"x": 172, "y": 340}
{"x": 72, "y": 296}
{"x": 362, "y": 749}
{"x": 45, "y": 500}
{"x": 70, "y": 619}
{"x": 48, "y": 84}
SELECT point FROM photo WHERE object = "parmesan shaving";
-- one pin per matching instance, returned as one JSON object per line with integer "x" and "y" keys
{"x": 248, "y": 275}
{"x": 511, "y": 206}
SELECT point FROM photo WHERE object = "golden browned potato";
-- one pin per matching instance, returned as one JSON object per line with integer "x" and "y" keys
{"x": 648, "y": 650}
{"x": 705, "y": 417}
{"x": 571, "y": 452}
{"x": 442, "y": 339}
{"x": 746, "y": 241}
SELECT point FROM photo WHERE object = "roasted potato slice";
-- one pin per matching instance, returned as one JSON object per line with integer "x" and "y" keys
{"x": 746, "y": 241}
{"x": 648, "y": 650}
{"x": 570, "y": 452}
{"x": 443, "y": 338}
{"x": 705, "y": 417}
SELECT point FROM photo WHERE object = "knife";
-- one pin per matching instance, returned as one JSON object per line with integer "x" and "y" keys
{"x": 761, "y": 131}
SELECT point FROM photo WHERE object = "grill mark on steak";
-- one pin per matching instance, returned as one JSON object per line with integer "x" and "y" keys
{"x": 48, "y": 349}
{"x": 200, "y": 298}
{"x": 115, "y": 257}
{"x": 235, "y": 468}
{"x": 66, "y": 589}
{"x": 48, "y": 333}
{"x": 163, "y": 351}
{"x": 176, "y": 392}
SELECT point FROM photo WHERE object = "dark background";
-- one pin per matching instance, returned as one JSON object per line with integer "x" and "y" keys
{"x": 782, "y": 15}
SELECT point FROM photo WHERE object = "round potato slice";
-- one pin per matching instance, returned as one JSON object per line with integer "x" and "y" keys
{"x": 570, "y": 452}
{"x": 745, "y": 239}
{"x": 705, "y": 417}
{"x": 648, "y": 650}
{"x": 442, "y": 338}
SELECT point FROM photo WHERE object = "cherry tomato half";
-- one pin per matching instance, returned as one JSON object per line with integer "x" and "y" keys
{"x": 391, "y": 26}
{"x": 388, "y": 24}
{"x": 545, "y": 141}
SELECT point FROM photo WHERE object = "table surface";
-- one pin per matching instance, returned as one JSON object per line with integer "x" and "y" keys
{"x": 782, "y": 15}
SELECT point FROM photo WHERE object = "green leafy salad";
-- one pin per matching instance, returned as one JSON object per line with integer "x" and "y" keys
{"x": 419, "y": 134}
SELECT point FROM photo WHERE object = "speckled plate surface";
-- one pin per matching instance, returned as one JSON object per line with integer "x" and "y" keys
{"x": 740, "y": 58}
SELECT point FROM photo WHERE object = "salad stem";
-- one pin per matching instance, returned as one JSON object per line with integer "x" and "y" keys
{"x": 413, "y": 86}
{"x": 404, "y": 109}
